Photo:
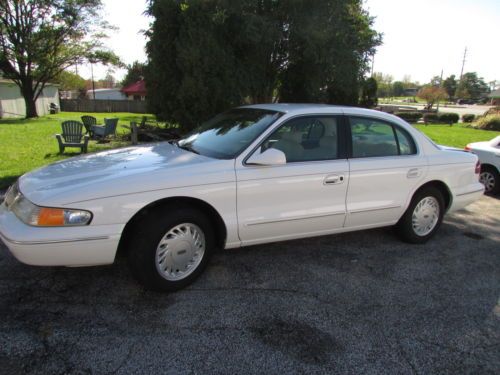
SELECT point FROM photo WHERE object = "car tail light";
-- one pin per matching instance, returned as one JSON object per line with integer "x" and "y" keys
{"x": 467, "y": 148}
{"x": 478, "y": 167}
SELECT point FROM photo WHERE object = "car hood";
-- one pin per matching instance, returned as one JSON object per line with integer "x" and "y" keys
{"x": 121, "y": 171}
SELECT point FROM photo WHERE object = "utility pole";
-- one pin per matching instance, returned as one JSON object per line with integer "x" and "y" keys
{"x": 440, "y": 86}
{"x": 373, "y": 62}
{"x": 463, "y": 64}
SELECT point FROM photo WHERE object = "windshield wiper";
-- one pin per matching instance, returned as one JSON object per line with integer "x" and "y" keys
{"x": 187, "y": 148}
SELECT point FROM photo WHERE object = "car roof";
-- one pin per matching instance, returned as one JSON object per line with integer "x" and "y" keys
{"x": 304, "y": 108}
{"x": 292, "y": 107}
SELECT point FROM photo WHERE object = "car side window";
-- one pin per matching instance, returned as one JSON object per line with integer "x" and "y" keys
{"x": 306, "y": 139}
{"x": 406, "y": 143}
{"x": 372, "y": 138}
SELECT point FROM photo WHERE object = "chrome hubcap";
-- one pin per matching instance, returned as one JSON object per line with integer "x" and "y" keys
{"x": 425, "y": 216}
{"x": 180, "y": 251}
{"x": 488, "y": 180}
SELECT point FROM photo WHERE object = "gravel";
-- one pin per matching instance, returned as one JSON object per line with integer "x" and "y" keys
{"x": 346, "y": 304}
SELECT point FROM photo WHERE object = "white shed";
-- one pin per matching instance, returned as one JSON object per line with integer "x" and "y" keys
{"x": 12, "y": 102}
{"x": 107, "y": 94}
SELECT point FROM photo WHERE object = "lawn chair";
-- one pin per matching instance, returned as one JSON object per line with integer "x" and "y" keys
{"x": 89, "y": 122}
{"x": 72, "y": 136}
{"x": 109, "y": 128}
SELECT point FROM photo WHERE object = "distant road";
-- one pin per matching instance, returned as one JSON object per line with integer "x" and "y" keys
{"x": 462, "y": 109}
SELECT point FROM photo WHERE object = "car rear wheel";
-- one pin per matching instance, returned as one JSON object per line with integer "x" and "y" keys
{"x": 490, "y": 178}
{"x": 170, "y": 248}
{"x": 423, "y": 216}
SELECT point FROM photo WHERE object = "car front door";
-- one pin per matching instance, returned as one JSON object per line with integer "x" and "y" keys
{"x": 304, "y": 197}
{"x": 385, "y": 168}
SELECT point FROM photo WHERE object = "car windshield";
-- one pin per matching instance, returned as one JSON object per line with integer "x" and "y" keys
{"x": 228, "y": 134}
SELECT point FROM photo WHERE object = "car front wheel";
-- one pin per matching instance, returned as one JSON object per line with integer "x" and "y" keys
{"x": 423, "y": 216}
{"x": 490, "y": 178}
{"x": 170, "y": 248}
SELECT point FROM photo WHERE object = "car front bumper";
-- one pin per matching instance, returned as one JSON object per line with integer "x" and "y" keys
{"x": 59, "y": 246}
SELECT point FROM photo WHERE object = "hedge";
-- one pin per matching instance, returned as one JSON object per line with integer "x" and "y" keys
{"x": 448, "y": 118}
{"x": 409, "y": 116}
{"x": 430, "y": 118}
{"x": 468, "y": 117}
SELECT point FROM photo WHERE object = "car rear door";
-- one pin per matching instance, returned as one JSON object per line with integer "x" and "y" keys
{"x": 304, "y": 197}
{"x": 385, "y": 167}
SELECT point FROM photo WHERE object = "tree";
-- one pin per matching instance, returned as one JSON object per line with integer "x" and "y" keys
{"x": 471, "y": 86}
{"x": 450, "y": 85}
{"x": 384, "y": 84}
{"x": 40, "y": 39}
{"x": 135, "y": 72}
{"x": 207, "y": 56}
{"x": 398, "y": 88}
{"x": 431, "y": 94}
{"x": 69, "y": 81}
{"x": 369, "y": 93}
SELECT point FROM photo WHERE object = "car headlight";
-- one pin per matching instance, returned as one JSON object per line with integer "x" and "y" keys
{"x": 32, "y": 214}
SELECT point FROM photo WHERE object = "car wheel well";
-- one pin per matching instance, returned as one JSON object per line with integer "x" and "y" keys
{"x": 489, "y": 166}
{"x": 214, "y": 216}
{"x": 442, "y": 187}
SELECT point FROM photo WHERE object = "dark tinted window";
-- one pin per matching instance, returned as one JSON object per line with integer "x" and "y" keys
{"x": 372, "y": 138}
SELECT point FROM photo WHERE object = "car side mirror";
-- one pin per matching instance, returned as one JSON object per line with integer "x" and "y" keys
{"x": 271, "y": 156}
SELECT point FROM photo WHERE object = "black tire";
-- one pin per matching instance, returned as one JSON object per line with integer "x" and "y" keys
{"x": 496, "y": 179}
{"x": 146, "y": 236}
{"x": 404, "y": 227}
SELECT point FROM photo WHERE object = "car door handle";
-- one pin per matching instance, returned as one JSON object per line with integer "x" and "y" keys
{"x": 333, "y": 179}
{"x": 413, "y": 173}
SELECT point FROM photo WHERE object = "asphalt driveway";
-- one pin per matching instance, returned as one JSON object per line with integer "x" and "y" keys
{"x": 349, "y": 304}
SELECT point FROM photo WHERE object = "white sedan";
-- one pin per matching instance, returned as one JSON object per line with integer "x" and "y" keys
{"x": 489, "y": 156}
{"x": 252, "y": 175}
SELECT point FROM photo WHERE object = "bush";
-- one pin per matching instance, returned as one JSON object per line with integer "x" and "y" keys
{"x": 448, "y": 118}
{"x": 409, "y": 116}
{"x": 468, "y": 117}
{"x": 489, "y": 122}
{"x": 430, "y": 118}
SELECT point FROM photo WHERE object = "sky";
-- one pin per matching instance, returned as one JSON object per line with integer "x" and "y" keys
{"x": 420, "y": 37}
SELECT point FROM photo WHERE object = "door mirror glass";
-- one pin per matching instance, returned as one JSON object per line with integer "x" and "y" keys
{"x": 271, "y": 156}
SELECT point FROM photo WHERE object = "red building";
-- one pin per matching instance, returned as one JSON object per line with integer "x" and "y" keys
{"x": 135, "y": 91}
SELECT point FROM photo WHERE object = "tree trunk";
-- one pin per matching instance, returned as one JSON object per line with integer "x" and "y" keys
{"x": 29, "y": 99}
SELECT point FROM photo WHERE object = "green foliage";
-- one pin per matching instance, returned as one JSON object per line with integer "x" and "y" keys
{"x": 488, "y": 122}
{"x": 135, "y": 72}
{"x": 411, "y": 117}
{"x": 450, "y": 85}
{"x": 448, "y": 117}
{"x": 430, "y": 118}
{"x": 398, "y": 88}
{"x": 368, "y": 93}
{"x": 208, "y": 56}
{"x": 468, "y": 117}
{"x": 471, "y": 87}
{"x": 40, "y": 39}
{"x": 69, "y": 81}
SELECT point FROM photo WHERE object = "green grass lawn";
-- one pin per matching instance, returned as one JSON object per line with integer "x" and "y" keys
{"x": 29, "y": 144}
{"x": 457, "y": 135}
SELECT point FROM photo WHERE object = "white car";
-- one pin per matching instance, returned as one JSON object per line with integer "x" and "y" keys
{"x": 252, "y": 175}
{"x": 489, "y": 156}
